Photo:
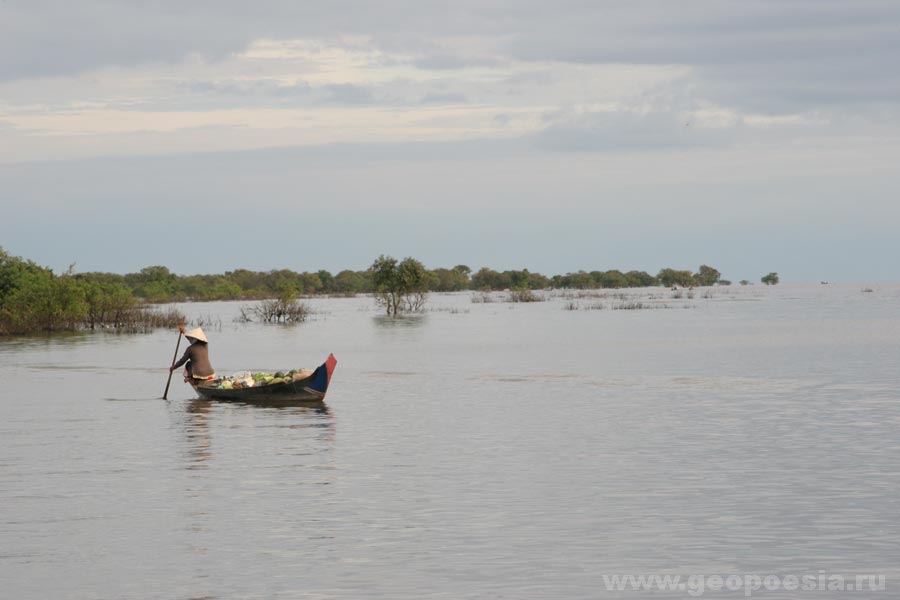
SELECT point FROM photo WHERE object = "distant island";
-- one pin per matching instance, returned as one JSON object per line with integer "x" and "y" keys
{"x": 33, "y": 298}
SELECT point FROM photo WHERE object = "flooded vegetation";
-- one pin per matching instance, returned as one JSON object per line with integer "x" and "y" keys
{"x": 145, "y": 318}
{"x": 284, "y": 309}
{"x": 34, "y": 299}
{"x": 525, "y": 295}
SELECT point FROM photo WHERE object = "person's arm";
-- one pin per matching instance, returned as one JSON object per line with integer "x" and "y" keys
{"x": 183, "y": 359}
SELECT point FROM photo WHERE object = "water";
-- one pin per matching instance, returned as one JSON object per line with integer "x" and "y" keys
{"x": 482, "y": 451}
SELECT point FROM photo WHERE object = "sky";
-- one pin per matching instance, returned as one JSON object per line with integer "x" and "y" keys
{"x": 554, "y": 136}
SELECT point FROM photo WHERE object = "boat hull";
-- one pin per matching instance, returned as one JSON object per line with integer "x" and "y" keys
{"x": 308, "y": 389}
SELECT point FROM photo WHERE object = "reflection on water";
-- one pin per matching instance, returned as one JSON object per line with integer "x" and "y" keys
{"x": 401, "y": 322}
{"x": 198, "y": 418}
{"x": 290, "y": 406}
{"x": 196, "y": 431}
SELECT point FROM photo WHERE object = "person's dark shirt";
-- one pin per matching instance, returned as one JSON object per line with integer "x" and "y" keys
{"x": 198, "y": 354}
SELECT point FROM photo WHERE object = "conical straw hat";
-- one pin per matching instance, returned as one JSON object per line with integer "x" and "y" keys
{"x": 197, "y": 334}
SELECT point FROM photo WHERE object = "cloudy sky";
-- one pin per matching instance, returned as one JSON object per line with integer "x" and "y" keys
{"x": 754, "y": 136}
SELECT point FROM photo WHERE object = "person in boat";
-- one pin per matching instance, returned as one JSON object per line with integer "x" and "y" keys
{"x": 196, "y": 363}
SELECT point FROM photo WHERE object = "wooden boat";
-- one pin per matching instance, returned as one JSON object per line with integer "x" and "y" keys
{"x": 311, "y": 388}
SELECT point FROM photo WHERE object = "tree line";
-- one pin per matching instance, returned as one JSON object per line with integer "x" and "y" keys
{"x": 33, "y": 298}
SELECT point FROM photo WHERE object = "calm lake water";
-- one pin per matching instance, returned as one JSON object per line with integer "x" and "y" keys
{"x": 484, "y": 450}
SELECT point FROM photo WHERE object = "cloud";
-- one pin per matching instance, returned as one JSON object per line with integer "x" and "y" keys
{"x": 49, "y": 38}
{"x": 268, "y": 92}
{"x": 242, "y": 87}
{"x": 668, "y": 116}
{"x": 569, "y": 75}
{"x": 444, "y": 98}
{"x": 448, "y": 62}
{"x": 346, "y": 93}
{"x": 61, "y": 38}
{"x": 629, "y": 130}
{"x": 770, "y": 56}
{"x": 839, "y": 84}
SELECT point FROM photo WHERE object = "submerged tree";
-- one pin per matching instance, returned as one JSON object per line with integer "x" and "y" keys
{"x": 399, "y": 286}
{"x": 770, "y": 279}
{"x": 350, "y": 282}
{"x": 450, "y": 280}
{"x": 672, "y": 277}
{"x": 107, "y": 303}
{"x": 707, "y": 275}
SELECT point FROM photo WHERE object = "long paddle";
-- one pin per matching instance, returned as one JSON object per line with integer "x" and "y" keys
{"x": 174, "y": 358}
